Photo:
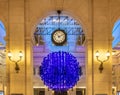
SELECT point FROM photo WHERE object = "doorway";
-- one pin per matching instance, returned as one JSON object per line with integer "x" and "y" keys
{"x": 60, "y": 93}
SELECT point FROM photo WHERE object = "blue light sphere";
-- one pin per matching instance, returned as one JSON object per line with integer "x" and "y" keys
{"x": 60, "y": 71}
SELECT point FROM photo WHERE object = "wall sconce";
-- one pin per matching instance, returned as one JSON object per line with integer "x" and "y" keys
{"x": 102, "y": 61}
{"x": 17, "y": 68}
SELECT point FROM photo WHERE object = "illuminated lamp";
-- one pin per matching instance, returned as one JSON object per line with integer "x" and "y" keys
{"x": 60, "y": 71}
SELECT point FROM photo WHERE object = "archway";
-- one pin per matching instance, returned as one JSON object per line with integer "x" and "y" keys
{"x": 44, "y": 44}
{"x": 3, "y": 77}
{"x": 116, "y": 57}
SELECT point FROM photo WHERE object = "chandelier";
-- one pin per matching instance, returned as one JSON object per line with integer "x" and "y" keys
{"x": 60, "y": 71}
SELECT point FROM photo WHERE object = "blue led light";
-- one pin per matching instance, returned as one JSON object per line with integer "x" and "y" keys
{"x": 60, "y": 71}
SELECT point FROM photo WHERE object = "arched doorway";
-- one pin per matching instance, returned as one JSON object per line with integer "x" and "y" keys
{"x": 3, "y": 77}
{"x": 44, "y": 44}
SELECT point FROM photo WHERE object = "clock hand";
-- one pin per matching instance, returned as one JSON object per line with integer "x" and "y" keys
{"x": 60, "y": 35}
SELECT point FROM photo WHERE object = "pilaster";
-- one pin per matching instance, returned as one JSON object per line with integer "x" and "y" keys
{"x": 29, "y": 66}
{"x": 89, "y": 68}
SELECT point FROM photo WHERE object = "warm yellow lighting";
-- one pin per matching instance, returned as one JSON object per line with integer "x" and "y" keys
{"x": 81, "y": 87}
{"x": 20, "y": 54}
{"x": 17, "y": 68}
{"x": 102, "y": 61}
{"x": 113, "y": 52}
{"x": 9, "y": 54}
{"x": 39, "y": 86}
{"x": 97, "y": 54}
{"x": 108, "y": 54}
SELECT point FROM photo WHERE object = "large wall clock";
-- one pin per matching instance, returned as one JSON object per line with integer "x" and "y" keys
{"x": 59, "y": 37}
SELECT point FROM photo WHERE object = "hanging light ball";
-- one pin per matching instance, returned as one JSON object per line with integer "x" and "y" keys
{"x": 60, "y": 71}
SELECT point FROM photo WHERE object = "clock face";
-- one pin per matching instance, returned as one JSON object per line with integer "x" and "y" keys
{"x": 59, "y": 37}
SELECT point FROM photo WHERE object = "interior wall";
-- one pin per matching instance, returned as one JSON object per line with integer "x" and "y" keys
{"x": 97, "y": 18}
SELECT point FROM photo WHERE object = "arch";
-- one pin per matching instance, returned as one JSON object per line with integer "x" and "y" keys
{"x": 67, "y": 23}
{"x": 78, "y": 49}
{"x": 67, "y": 12}
{"x": 78, "y": 19}
{"x": 2, "y": 33}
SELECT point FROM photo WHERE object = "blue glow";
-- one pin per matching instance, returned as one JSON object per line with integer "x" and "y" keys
{"x": 48, "y": 25}
{"x": 60, "y": 71}
{"x": 2, "y": 33}
{"x": 116, "y": 33}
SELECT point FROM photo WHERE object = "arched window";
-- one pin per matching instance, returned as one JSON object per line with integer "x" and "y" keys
{"x": 3, "y": 76}
{"x": 73, "y": 30}
{"x": 116, "y": 34}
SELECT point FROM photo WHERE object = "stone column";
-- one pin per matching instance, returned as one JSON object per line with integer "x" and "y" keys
{"x": 29, "y": 66}
{"x": 89, "y": 68}
{"x": 102, "y": 32}
{"x": 96, "y": 82}
{"x": 16, "y": 44}
{"x": 19, "y": 83}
